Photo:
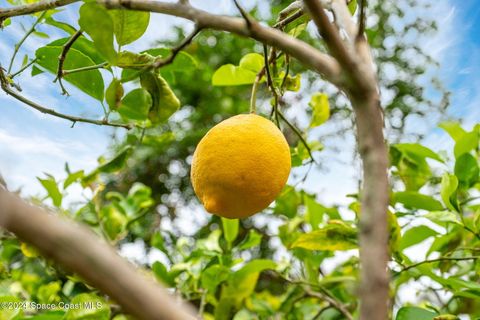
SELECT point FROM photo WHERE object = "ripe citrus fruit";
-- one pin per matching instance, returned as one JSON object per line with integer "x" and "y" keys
{"x": 240, "y": 166}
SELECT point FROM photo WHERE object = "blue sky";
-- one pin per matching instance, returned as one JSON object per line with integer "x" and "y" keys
{"x": 32, "y": 143}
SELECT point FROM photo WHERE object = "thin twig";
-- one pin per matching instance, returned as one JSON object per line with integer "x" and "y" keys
{"x": 176, "y": 50}
{"x": 87, "y": 68}
{"x": 25, "y": 67}
{"x": 161, "y": 62}
{"x": 438, "y": 260}
{"x": 253, "y": 95}
{"x": 62, "y": 57}
{"x": 298, "y": 133}
{"x": 19, "y": 44}
{"x": 270, "y": 84}
{"x": 244, "y": 14}
{"x": 282, "y": 23}
{"x": 361, "y": 23}
{"x": 333, "y": 302}
{"x": 6, "y": 87}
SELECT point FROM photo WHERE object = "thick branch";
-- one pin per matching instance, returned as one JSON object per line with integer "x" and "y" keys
{"x": 303, "y": 52}
{"x": 32, "y": 8}
{"x": 78, "y": 249}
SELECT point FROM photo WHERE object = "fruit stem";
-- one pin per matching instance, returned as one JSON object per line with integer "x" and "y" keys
{"x": 253, "y": 97}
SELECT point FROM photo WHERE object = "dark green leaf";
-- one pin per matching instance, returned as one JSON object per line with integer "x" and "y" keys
{"x": 415, "y": 235}
{"x": 90, "y": 82}
{"x": 253, "y": 239}
{"x": 466, "y": 169}
{"x": 135, "y": 105}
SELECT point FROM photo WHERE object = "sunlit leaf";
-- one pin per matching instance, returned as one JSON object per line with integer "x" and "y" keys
{"x": 410, "y": 313}
{"x": 90, "y": 82}
{"x": 448, "y": 191}
{"x": 114, "y": 94}
{"x": 415, "y": 200}
{"x": 91, "y": 307}
{"x": 129, "y": 25}
{"x": 320, "y": 109}
{"x": 244, "y": 73}
{"x": 466, "y": 143}
{"x": 230, "y": 229}
{"x": 52, "y": 189}
{"x": 98, "y": 24}
{"x": 335, "y": 236}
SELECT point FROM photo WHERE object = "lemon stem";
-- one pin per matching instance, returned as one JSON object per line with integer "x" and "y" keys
{"x": 253, "y": 97}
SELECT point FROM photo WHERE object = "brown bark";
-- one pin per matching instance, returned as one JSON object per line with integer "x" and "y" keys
{"x": 79, "y": 250}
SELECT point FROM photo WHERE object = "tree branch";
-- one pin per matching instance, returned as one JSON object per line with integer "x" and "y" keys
{"x": 438, "y": 260}
{"x": 79, "y": 250}
{"x": 62, "y": 57}
{"x": 4, "y": 83}
{"x": 162, "y": 62}
{"x": 32, "y": 8}
{"x": 303, "y": 52}
{"x": 333, "y": 302}
{"x": 19, "y": 44}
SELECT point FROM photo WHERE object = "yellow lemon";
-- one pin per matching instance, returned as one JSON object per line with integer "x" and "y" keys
{"x": 240, "y": 166}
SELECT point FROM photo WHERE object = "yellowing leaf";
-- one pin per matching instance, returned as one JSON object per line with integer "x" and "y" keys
{"x": 335, "y": 236}
{"x": 320, "y": 109}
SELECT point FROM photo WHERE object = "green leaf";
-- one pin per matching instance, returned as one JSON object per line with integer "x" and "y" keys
{"x": 162, "y": 274}
{"x": 211, "y": 242}
{"x": 135, "y": 105}
{"x": 98, "y": 24}
{"x": 83, "y": 45}
{"x": 10, "y": 313}
{"x": 337, "y": 235}
{"x": 92, "y": 307}
{"x": 41, "y": 34}
{"x": 60, "y": 25}
{"x": 315, "y": 211}
{"x": 415, "y": 200}
{"x": 320, "y": 109}
{"x": 49, "y": 315}
{"x": 415, "y": 151}
{"x": 114, "y": 94}
{"x": 73, "y": 177}
{"x": 213, "y": 276}
{"x": 129, "y": 25}
{"x": 117, "y": 162}
{"x": 244, "y": 73}
{"x": 253, "y": 239}
{"x": 230, "y": 229}
{"x": 90, "y": 82}
{"x": 114, "y": 222}
{"x": 447, "y": 316}
{"x": 52, "y": 189}
{"x": 164, "y": 100}
{"x": 453, "y": 129}
{"x": 466, "y": 143}
{"x": 440, "y": 217}
{"x": 36, "y": 70}
{"x": 157, "y": 242}
{"x": 287, "y": 202}
{"x": 352, "y": 7}
{"x": 411, "y": 313}
{"x": 467, "y": 170}
{"x": 415, "y": 235}
{"x": 448, "y": 191}
{"x": 131, "y": 60}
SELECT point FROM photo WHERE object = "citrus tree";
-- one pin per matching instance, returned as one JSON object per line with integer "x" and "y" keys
{"x": 232, "y": 268}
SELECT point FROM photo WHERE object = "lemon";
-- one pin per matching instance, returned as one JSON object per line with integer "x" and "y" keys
{"x": 240, "y": 166}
